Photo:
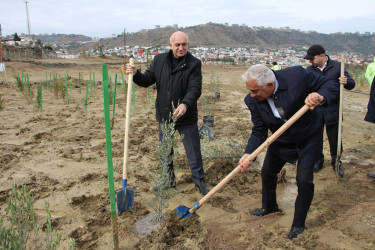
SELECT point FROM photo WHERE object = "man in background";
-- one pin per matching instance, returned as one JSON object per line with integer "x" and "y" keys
{"x": 370, "y": 72}
{"x": 275, "y": 66}
{"x": 321, "y": 64}
{"x": 370, "y": 115}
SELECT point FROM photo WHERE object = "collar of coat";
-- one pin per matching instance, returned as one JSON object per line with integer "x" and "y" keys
{"x": 182, "y": 63}
{"x": 170, "y": 56}
{"x": 280, "y": 85}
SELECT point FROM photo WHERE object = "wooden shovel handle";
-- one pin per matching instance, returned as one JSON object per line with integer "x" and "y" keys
{"x": 127, "y": 121}
{"x": 339, "y": 136}
{"x": 252, "y": 156}
{"x": 342, "y": 73}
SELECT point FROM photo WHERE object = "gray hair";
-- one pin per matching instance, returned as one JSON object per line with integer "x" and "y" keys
{"x": 260, "y": 73}
{"x": 170, "y": 39}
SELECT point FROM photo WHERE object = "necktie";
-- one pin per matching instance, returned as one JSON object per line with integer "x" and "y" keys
{"x": 278, "y": 107}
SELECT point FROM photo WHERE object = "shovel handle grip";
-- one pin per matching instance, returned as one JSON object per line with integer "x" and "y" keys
{"x": 127, "y": 121}
{"x": 252, "y": 156}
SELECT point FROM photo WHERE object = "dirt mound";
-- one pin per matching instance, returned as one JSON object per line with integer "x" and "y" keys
{"x": 176, "y": 234}
{"x": 219, "y": 169}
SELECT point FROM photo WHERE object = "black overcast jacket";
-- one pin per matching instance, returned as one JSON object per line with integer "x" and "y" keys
{"x": 333, "y": 71}
{"x": 183, "y": 84}
{"x": 370, "y": 115}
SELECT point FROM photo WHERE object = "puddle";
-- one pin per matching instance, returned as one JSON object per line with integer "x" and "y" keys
{"x": 147, "y": 224}
{"x": 287, "y": 194}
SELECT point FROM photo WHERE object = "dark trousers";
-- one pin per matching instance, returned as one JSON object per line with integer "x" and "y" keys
{"x": 332, "y": 135}
{"x": 192, "y": 145}
{"x": 305, "y": 183}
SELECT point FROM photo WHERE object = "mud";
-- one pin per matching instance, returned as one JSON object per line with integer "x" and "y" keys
{"x": 60, "y": 155}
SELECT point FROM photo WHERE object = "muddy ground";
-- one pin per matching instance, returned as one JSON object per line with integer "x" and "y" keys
{"x": 60, "y": 154}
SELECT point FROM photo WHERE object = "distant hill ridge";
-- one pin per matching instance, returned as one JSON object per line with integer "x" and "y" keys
{"x": 221, "y": 35}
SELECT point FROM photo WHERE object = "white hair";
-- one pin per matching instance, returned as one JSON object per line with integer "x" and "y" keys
{"x": 260, "y": 73}
{"x": 171, "y": 40}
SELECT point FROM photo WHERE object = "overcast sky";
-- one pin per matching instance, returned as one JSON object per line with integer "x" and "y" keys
{"x": 103, "y": 18}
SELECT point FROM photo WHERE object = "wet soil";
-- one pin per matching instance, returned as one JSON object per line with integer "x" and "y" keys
{"x": 60, "y": 154}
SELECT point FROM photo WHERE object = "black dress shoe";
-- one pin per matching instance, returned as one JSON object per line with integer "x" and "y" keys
{"x": 202, "y": 187}
{"x": 319, "y": 164}
{"x": 341, "y": 171}
{"x": 262, "y": 211}
{"x": 294, "y": 232}
{"x": 371, "y": 175}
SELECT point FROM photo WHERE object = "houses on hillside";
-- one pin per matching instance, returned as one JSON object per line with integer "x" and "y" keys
{"x": 237, "y": 56}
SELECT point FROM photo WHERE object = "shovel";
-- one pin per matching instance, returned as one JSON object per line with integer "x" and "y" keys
{"x": 338, "y": 157}
{"x": 185, "y": 212}
{"x": 125, "y": 197}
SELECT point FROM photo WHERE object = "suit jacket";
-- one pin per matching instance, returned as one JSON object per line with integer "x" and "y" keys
{"x": 333, "y": 70}
{"x": 304, "y": 139}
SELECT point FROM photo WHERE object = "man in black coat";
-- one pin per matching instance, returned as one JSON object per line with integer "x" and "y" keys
{"x": 370, "y": 115}
{"x": 178, "y": 79}
{"x": 321, "y": 64}
{"x": 274, "y": 97}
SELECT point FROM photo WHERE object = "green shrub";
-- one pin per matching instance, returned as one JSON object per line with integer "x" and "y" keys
{"x": 19, "y": 224}
{"x": 20, "y": 84}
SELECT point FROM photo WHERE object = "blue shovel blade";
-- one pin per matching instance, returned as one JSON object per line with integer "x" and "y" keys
{"x": 125, "y": 200}
{"x": 183, "y": 212}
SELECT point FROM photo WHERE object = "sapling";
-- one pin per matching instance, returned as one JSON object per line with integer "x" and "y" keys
{"x": 215, "y": 83}
{"x": 160, "y": 176}
{"x": 67, "y": 87}
{"x": 87, "y": 90}
{"x": 50, "y": 82}
{"x": 206, "y": 104}
{"x": 39, "y": 97}
{"x": 19, "y": 224}
{"x": 79, "y": 81}
{"x": 2, "y": 101}
{"x": 123, "y": 83}
{"x": 19, "y": 82}
{"x": 91, "y": 85}
{"x": 93, "y": 79}
{"x": 46, "y": 80}
{"x": 59, "y": 87}
{"x": 30, "y": 92}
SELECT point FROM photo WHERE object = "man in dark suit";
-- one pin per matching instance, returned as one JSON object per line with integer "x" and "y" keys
{"x": 274, "y": 97}
{"x": 370, "y": 115}
{"x": 322, "y": 64}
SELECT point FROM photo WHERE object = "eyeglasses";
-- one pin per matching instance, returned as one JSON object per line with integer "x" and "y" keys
{"x": 180, "y": 44}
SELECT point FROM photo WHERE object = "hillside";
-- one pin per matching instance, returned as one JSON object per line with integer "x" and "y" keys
{"x": 62, "y": 38}
{"x": 220, "y": 35}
